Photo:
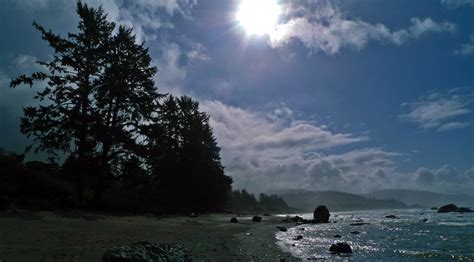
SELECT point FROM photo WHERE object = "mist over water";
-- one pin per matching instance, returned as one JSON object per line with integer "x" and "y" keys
{"x": 444, "y": 237}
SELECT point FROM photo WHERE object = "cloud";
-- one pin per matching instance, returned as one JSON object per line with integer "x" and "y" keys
{"x": 457, "y": 3}
{"x": 173, "y": 62}
{"x": 446, "y": 174}
{"x": 247, "y": 130}
{"x": 424, "y": 176}
{"x": 264, "y": 151}
{"x": 326, "y": 29}
{"x": 467, "y": 48}
{"x": 440, "y": 112}
{"x": 470, "y": 173}
{"x": 146, "y": 17}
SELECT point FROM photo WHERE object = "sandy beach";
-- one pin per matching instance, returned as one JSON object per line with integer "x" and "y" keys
{"x": 80, "y": 236}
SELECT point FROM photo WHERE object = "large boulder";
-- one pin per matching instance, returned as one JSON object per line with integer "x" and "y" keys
{"x": 448, "y": 208}
{"x": 256, "y": 218}
{"x": 234, "y": 220}
{"x": 321, "y": 214}
{"x": 144, "y": 251}
{"x": 340, "y": 247}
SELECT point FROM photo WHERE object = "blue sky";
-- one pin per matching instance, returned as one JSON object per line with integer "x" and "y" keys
{"x": 353, "y": 95}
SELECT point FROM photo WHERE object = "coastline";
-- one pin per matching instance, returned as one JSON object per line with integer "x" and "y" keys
{"x": 83, "y": 236}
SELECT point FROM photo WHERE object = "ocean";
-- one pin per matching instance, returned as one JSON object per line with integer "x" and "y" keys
{"x": 443, "y": 237}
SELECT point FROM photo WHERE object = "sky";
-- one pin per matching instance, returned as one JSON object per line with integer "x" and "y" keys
{"x": 349, "y": 95}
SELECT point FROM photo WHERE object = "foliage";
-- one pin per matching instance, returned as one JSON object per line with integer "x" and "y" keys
{"x": 101, "y": 110}
{"x": 184, "y": 156}
{"x": 241, "y": 200}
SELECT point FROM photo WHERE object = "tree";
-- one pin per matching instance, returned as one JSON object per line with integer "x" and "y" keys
{"x": 101, "y": 109}
{"x": 126, "y": 98}
{"x": 185, "y": 157}
{"x": 99, "y": 91}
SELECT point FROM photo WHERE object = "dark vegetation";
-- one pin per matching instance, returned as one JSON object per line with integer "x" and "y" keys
{"x": 243, "y": 201}
{"x": 122, "y": 145}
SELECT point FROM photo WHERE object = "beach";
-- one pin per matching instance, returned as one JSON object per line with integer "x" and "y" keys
{"x": 84, "y": 236}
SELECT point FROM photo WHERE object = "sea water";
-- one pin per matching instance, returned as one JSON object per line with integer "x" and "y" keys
{"x": 443, "y": 237}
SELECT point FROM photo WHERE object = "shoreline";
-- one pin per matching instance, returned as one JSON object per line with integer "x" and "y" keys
{"x": 85, "y": 236}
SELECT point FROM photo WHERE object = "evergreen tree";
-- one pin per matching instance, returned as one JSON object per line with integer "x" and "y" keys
{"x": 185, "y": 157}
{"x": 100, "y": 89}
{"x": 64, "y": 123}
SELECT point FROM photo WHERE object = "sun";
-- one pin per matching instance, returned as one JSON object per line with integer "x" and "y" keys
{"x": 258, "y": 17}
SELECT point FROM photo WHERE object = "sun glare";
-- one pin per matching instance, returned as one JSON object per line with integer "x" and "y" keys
{"x": 258, "y": 17}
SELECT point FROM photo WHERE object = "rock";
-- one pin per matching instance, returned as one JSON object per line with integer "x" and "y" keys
{"x": 334, "y": 221}
{"x": 391, "y": 216}
{"x": 302, "y": 229}
{"x": 321, "y": 214}
{"x": 298, "y": 237}
{"x": 282, "y": 229}
{"x": 355, "y": 232}
{"x": 234, "y": 220}
{"x": 448, "y": 208}
{"x": 340, "y": 247}
{"x": 337, "y": 236}
{"x": 424, "y": 220}
{"x": 145, "y": 251}
{"x": 256, "y": 219}
{"x": 293, "y": 219}
{"x": 464, "y": 210}
{"x": 434, "y": 208}
{"x": 359, "y": 224}
{"x": 5, "y": 204}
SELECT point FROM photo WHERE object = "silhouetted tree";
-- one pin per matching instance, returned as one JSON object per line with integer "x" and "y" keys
{"x": 126, "y": 97}
{"x": 101, "y": 109}
{"x": 272, "y": 203}
{"x": 185, "y": 157}
{"x": 241, "y": 200}
{"x": 100, "y": 89}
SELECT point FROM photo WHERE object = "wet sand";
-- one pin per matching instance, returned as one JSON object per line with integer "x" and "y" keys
{"x": 80, "y": 236}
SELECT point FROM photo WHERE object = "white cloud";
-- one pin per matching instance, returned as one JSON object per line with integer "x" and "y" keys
{"x": 445, "y": 176}
{"x": 252, "y": 131}
{"x": 174, "y": 62}
{"x": 470, "y": 173}
{"x": 440, "y": 111}
{"x": 457, "y": 3}
{"x": 424, "y": 176}
{"x": 327, "y": 29}
{"x": 467, "y": 48}
{"x": 266, "y": 151}
{"x": 146, "y": 17}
